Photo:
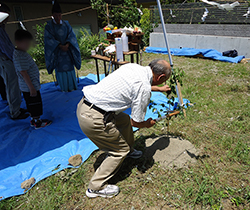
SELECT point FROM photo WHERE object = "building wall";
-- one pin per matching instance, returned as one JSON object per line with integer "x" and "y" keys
{"x": 220, "y": 43}
{"x": 36, "y": 10}
{"x": 208, "y": 29}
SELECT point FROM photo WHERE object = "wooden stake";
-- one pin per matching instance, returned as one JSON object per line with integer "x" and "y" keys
{"x": 107, "y": 6}
{"x": 180, "y": 97}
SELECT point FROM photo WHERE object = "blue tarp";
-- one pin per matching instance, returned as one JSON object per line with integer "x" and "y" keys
{"x": 190, "y": 52}
{"x": 26, "y": 152}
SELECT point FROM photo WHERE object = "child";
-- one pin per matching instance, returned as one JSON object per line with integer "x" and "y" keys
{"x": 28, "y": 76}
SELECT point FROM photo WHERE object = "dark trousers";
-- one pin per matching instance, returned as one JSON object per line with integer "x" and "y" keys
{"x": 2, "y": 89}
{"x": 34, "y": 104}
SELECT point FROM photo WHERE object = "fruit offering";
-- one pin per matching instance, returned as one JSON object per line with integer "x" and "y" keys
{"x": 109, "y": 27}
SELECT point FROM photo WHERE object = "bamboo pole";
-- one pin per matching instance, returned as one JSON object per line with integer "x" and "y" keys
{"x": 107, "y": 7}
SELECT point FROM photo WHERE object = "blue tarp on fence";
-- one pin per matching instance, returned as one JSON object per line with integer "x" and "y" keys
{"x": 26, "y": 152}
{"x": 191, "y": 52}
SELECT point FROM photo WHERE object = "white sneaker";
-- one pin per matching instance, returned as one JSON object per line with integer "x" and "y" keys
{"x": 135, "y": 154}
{"x": 108, "y": 192}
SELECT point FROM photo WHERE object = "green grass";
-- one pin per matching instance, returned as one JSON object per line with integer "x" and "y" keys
{"x": 218, "y": 125}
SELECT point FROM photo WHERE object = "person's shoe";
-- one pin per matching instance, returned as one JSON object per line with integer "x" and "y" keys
{"x": 21, "y": 116}
{"x": 108, "y": 192}
{"x": 40, "y": 123}
{"x": 135, "y": 154}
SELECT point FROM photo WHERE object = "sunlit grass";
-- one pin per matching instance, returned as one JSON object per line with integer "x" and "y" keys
{"x": 218, "y": 125}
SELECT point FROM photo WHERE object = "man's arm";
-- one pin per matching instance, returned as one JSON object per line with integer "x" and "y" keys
{"x": 27, "y": 80}
{"x": 145, "y": 124}
{"x": 164, "y": 88}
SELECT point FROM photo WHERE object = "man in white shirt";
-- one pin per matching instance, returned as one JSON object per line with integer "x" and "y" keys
{"x": 101, "y": 118}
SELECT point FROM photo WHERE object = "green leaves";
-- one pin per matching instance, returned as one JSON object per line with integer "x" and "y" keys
{"x": 123, "y": 14}
{"x": 177, "y": 75}
{"x": 37, "y": 52}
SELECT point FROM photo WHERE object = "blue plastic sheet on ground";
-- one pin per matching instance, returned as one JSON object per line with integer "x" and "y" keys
{"x": 26, "y": 152}
{"x": 190, "y": 52}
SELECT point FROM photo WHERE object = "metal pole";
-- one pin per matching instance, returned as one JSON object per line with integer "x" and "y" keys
{"x": 169, "y": 54}
{"x": 164, "y": 32}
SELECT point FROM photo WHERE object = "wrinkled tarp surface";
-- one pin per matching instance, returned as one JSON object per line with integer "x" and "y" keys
{"x": 191, "y": 52}
{"x": 26, "y": 152}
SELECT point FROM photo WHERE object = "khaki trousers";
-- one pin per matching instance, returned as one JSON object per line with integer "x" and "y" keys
{"x": 116, "y": 138}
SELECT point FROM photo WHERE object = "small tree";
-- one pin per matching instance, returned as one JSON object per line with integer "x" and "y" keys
{"x": 123, "y": 14}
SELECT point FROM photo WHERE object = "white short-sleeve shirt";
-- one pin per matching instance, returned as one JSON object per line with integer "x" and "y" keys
{"x": 129, "y": 86}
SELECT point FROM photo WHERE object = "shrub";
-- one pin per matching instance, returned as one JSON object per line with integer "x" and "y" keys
{"x": 89, "y": 41}
{"x": 146, "y": 26}
{"x": 37, "y": 52}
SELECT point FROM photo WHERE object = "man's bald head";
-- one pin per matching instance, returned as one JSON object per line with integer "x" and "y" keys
{"x": 160, "y": 67}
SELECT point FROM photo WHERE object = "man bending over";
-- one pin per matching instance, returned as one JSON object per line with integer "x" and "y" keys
{"x": 101, "y": 118}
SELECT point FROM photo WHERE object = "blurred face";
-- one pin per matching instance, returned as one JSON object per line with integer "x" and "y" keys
{"x": 57, "y": 17}
{"x": 24, "y": 44}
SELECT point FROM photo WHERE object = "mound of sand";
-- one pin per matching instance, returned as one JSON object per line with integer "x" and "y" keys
{"x": 171, "y": 151}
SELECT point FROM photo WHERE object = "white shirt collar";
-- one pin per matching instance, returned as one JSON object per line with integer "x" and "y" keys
{"x": 55, "y": 21}
{"x": 149, "y": 74}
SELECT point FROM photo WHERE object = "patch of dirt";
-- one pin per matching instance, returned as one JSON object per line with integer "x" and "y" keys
{"x": 171, "y": 151}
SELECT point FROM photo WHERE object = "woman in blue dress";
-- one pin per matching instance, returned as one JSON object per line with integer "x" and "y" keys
{"x": 61, "y": 50}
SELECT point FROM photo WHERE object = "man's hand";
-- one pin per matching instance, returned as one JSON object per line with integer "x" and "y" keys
{"x": 145, "y": 124}
{"x": 33, "y": 92}
{"x": 164, "y": 88}
{"x": 64, "y": 48}
{"x": 150, "y": 122}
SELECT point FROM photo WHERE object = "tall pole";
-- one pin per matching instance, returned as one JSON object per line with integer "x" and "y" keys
{"x": 177, "y": 87}
{"x": 164, "y": 32}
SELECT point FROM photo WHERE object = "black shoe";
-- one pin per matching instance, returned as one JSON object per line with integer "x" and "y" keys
{"x": 40, "y": 123}
{"x": 21, "y": 116}
{"x": 135, "y": 154}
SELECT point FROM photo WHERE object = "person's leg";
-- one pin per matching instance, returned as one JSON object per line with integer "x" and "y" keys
{"x": 7, "y": 71}
{"x": 107, "y": 138}
{"x": 35, "y": 108}
{"x": 72, "y": 83}
{"x": 60, "y": 80}
{"x": 2, "y": 89}
{"x": 123, "y": 124}
{"x": 34, "y": 104}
